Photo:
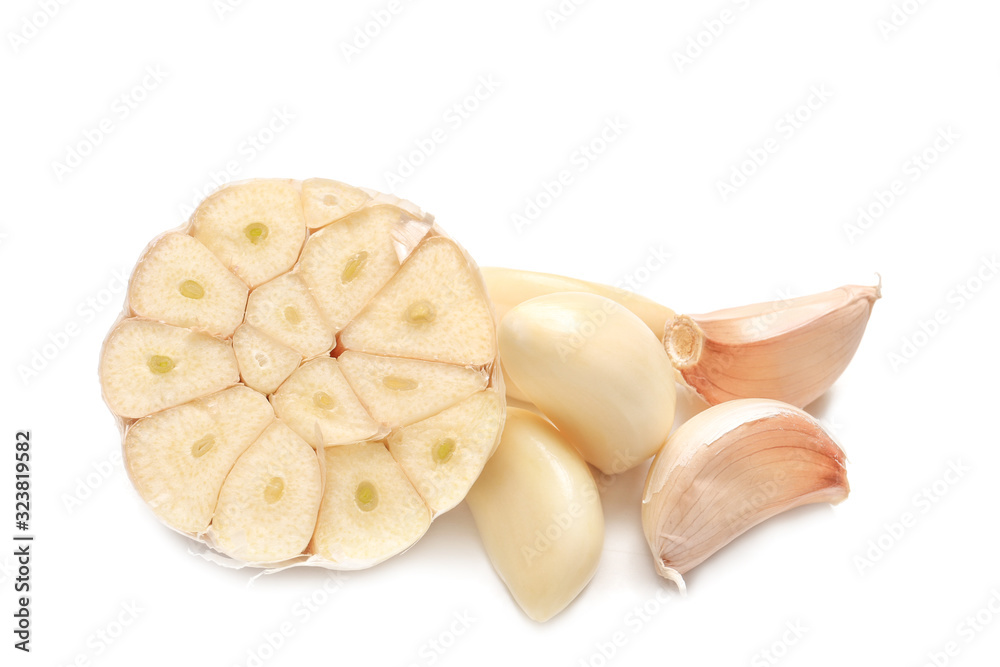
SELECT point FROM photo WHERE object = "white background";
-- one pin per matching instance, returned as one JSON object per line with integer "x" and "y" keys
{"x": 655, "y": 188}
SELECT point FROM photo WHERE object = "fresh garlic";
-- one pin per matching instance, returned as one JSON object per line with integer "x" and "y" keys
{"x": 596, "y": 371}
{"x": 729, "y": 468}
{"x": 791, "y": 351}
{"x": 509, "y": 287}
{"x": 539, "y": 515}
{"x": 307, "y": 373}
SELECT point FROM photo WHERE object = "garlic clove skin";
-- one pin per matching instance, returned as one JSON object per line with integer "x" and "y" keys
{"x": 791, "y": 351}
{"x": 510, "y": 287}
{"x": 539, "y": 514}
{"x": 596, "y": 371}
{"x": 729, "y": 468}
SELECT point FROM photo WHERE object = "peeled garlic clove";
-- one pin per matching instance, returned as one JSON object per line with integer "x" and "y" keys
{"x": 791, "y": 350}
{"x": 596, "y": 371}
{"x": 539, "y": 515}
{"x": 729, "y": 468}
{"x": 510, "y": 287}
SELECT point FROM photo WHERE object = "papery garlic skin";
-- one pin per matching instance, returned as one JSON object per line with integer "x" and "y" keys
{"x": 510, "y": 287}
{"x": 539, "y": 514}
{"x": 729, "y": 468}
{"x": 596, "y": 371}
{"x": 791, "y": 351}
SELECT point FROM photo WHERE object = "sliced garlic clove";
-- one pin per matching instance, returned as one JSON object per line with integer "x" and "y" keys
{"x": 285, "y": 310}
{"x": 398, "y": 392}
{"x": 596, "y": 371}
{"x": 791, "y": 351}
{"x": 180, "y": 282}
{"x": 346, "y": 264}
{"x": 325, "y": 201}
{"x": 256, "y": 228}
{"x": 434, "y": 308}
{"x": 317, "y": 403}
{"x": 729, "y": 468}
{"x": 148, "y": 366}
{"x": 269, "y": 502}
{"x": 370, "y": 510}
{"x": 444, "y": 454}
{"x": 539, "y": 515}
{"x": 264, "y": 362}
{"x": 510, "y": 287}
{"x": 178, "y": 459}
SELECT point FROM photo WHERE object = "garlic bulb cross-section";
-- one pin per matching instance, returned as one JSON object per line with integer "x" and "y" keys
{"x": 306, "y": 373}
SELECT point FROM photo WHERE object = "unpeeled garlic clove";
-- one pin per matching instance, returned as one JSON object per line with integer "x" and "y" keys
{"x": 791, "y": 351}
{"x": 596, "y": 371}
{"x": 539, "y": 515}
{"x": 510, "y": 287}
{"x": 729, "y": 468}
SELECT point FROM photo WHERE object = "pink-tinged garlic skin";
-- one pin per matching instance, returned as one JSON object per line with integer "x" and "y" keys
{"x": 728, "y": 469}
{"x": 791, "y": 351}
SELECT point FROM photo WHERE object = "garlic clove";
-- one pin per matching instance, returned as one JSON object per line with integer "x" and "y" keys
{"x": 264, "y": 362}
{"x": 285, "y": 310}
{"x": 539, "y": 514}
{"x": 370, "y": 510}
{"x": 179, "y": 458}
{"x": 268, "y": 504}
{"x": 325, "y": 201}
{"x": 510, "y": 287}
{"x": 317, "y": 402}
{"x": 148, "y": 366}
{"x": 434, "y": 308}
{"x": 444, "y": 454}
{"x": 179, "y": 281}
{"x": 791, "y": 351}
{"x": 729, "y": 468}
{"x": 255, "y": 227}
{"x": 596, "y": 371}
